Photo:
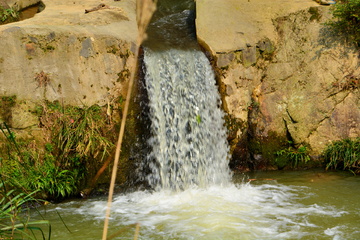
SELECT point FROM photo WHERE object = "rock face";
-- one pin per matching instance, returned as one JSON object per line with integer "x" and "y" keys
{"x": 230, "y": 25}
{"x": 65, "y": 55}
{"x": 21, "y": 4}
{"x": 289, "y": 78}
{"x": 82, "y": 53}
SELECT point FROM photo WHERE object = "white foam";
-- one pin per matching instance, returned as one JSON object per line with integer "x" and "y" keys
{"x": 253, "y": 212}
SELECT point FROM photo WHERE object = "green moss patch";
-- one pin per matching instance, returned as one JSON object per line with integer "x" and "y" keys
{"x": 315, "y": 14}
{"x": 6, "y": 105}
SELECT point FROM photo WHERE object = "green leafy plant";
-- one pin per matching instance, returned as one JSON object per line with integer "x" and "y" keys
{"x": 52, "y": 179}
{"x": 15, "y": 214}
{"x": 294, "y": 155}
{"x": 23, "y": 167}
{"x": 346, "y": 19}
{"x": 80, "y": 133}
{"x": 343, "y": 154}
{"x": 8, "y": 14}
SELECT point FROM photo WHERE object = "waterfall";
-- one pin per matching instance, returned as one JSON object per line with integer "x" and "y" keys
{"x": 189, "y": 145}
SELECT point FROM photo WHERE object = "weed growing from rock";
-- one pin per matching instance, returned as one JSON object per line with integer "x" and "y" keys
{"x": 343, "y": 154}
{"x": 8, "y": 15}
{"x": 25, "y": 167}
{"x": 295, "y": 156}
{"x": 42, "y": 79}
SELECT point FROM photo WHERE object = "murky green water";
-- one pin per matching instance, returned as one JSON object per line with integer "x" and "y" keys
{"x": 309, "y": 204}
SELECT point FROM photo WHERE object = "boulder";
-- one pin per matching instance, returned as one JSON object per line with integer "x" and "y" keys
{"x": 292, "y": 79}
{"x": 72, "y": 48}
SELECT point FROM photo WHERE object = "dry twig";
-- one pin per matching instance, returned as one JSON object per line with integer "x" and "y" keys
{"x": 144, "y": 12}
{"x": 42, "y": 79}
{"x": 99, "y": 7}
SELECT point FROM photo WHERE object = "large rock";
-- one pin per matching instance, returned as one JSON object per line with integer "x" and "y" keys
{"x": 229, "y": 25}
{"x": 292, "y": 78}
{"x": 81, "y": 53}
{"x": 305, "y": 84}
{"x": 21, "y": 4}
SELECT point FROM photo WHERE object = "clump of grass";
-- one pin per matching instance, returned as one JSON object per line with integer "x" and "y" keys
{"x": 80, "y": 137}
{"x": 77, "y": 139}
{"x": 15, "y": 213}
{"x": 295, "y": 156}
{"x": 8, "y": 15}
{"x": 343, "y": 154}
{"x": 80, "y": 133}
{"x": 23, "y": 166}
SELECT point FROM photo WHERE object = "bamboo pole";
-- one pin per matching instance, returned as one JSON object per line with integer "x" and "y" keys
{"x": 144, "y": 12}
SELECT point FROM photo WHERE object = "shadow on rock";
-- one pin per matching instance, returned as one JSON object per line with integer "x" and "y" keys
{"x": 332, "y": 37}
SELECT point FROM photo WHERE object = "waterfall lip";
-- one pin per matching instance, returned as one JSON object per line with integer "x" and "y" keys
{"x": 172, "y": 30}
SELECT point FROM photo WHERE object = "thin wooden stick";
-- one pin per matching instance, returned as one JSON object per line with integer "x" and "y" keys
{"x": 145, "y": 10}
{"x": 137, "y": 231}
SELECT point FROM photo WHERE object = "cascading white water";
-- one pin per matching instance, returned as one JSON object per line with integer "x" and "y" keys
{"x": 189, "y": 138}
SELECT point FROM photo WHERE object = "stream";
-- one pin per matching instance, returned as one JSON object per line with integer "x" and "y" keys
{"x": 194, "y": 195}
{"x": 310, "y": 204}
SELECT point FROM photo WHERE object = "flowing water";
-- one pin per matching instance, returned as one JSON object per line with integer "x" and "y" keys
{"x": 189, "y": 143}
{"x": 194, "y": 195}
{"x": 310, "y": 204}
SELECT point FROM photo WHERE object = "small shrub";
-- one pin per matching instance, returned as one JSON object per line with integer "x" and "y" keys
{"x": 343, "y": 154}
{"x": 24, "y": 167}
{"x": 346, "y": 19}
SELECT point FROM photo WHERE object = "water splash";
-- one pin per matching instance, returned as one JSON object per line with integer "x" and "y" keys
{"x": 189, "y": 138}
{"x": 266, "y": 211}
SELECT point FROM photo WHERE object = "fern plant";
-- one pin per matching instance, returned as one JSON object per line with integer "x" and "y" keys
{"x": 295, "y": 156}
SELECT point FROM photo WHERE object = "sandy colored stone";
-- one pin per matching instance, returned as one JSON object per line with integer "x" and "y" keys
{"x": 22, "y": 116}
{"x": 73, "y": 48}
{"x": 293, "y": 88}
{"x": 229, "y": 25}
{"x": 21, "y": 4}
